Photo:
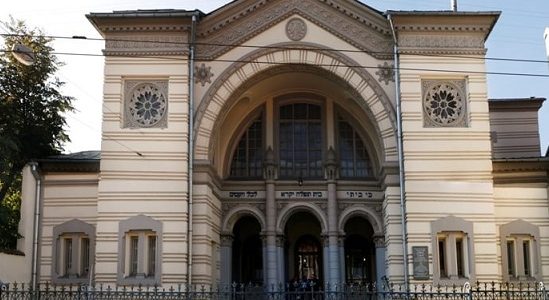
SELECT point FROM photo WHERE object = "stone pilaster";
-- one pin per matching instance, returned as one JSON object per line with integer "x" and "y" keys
{"x": 270, "y": 248}
{"x": 226, "y": 252}
{"x": 379, "y": 242}
{"x": 333, "y": 276}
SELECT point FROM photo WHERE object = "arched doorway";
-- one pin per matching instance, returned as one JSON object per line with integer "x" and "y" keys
{"x": 360, "y": 261}
{"x": 303, "y": 249}
{"x": 247, "y": 260}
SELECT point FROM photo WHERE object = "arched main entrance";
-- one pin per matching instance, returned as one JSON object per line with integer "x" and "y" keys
{"x": 360, "y": 261}
{"x": 247, "y": 254}
{"x": 303, "y": 248}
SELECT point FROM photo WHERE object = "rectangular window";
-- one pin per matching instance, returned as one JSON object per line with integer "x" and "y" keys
{"x": 459, "y": 257}
{"x": 67, "y": 249}
{"x": 511, "y": 258}
{"x": 134, "y": 245}
{"x": 442, "y": 257}
{"x": 151, "y": 260}
{"x": 526, "y": 257}
{"x": 85, "y": 257}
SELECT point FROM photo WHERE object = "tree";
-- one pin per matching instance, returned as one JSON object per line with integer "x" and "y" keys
{"x": 32, "y": 108}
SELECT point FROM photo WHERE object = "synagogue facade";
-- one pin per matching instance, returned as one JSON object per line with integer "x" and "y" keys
{"x": 270, "y": 141}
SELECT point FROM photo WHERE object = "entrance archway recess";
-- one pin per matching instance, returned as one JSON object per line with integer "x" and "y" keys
{"x": 232, "y": 266}
{"x": 303, "y": 250}
{"x": 236, "y": 79}
{"x": 247, "y": 254}
{"x": 363, "y": 251}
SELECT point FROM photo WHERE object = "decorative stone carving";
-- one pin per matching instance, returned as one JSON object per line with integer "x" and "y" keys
{"x": 330, "y": 165}
{"x": 296, "y": 29}
{"x": 145, "y": 104}
{"x": 269, "y": 165}
{"x": 441, "y": 44}
{"x": 386, "y": 73}
{"x": 379, "y": 241}
{"x": 444, "y": 103}
{"x": 362, "y": 28}
{"x": 226, "y": 240}
{"x": 280, "y": 241}
{"x": 147, "y": 44}
{"x": 203, "y": 74}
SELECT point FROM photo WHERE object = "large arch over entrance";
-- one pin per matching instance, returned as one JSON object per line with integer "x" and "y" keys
{"x": 254, "y": 92}
{"x": 230, "y": 86}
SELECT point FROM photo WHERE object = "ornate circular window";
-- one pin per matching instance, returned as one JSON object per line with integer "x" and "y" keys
{"x": 147, "y": 105}
{"x": 443, "y": 103}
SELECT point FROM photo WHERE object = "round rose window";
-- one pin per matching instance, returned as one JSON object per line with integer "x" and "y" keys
{"x": 147, "y": 105}
{"x": 443, "y": 103}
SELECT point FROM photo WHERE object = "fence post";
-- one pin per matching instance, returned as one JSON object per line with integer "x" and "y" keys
{"x": 467, "y": 289}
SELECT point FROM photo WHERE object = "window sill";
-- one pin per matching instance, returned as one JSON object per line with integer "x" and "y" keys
{"x": 454, "y": 280}
{"x": 521, "y": 279}
{"x": 139, "y": 280}
{"x": 71, "y": 279}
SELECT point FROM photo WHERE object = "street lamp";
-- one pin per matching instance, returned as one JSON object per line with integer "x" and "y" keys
{"x": 23, "y": 54}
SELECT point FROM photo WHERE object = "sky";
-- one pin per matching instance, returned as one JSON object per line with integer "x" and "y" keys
{"x": 517, "y": 35}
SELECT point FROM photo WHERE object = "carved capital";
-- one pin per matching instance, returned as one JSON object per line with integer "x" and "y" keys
{"x": 269, "y": 165}
{"x": 330, "y": 165}
{"x": 280, "y": 240}
{"x": 379, "y": 241}
{"x": 226, "y": 240}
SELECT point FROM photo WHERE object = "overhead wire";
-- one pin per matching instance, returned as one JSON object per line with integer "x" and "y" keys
{"x": 388, "y": 53}
{"x": 172, "y": 58}
{"x": 105, "y": 107}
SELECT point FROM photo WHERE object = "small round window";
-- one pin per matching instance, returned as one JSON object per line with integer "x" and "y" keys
{"x": 444, "y": 103}
{"x": 147, "y": 105}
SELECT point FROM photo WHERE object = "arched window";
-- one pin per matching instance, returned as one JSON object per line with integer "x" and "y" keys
{"x": 300, "y": 140}
{"x": 247, "y": 161}
{"x": 353, "y": 157}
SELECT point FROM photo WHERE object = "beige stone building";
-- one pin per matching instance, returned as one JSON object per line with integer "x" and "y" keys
{"x": 281, "y": 139}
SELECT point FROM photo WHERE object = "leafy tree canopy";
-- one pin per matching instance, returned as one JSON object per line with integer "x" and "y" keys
{"x": 31, "y": 106}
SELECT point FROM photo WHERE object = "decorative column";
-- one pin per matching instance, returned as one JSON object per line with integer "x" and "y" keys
{"x": 379, "y": 241}
{"x": 226, "y": 253}
{"x": 341, "y": 245}
{"x": 280, "y": 241}
{"x": 333, "y": 275}
{"x": 271, "y": 249}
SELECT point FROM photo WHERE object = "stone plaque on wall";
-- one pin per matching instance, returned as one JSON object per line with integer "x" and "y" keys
{"x": 421, "y": 262}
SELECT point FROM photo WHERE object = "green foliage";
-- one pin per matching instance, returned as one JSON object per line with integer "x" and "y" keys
{"x": 9, "y": 217}
{"x": 32, "y": 108}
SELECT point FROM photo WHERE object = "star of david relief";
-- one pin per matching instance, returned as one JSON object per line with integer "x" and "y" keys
{"x": 203, "y": 74}
{"x": 386, "y": 73}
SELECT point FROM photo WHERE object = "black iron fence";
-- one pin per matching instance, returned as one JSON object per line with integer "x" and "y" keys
{"x": 479, "y": 291}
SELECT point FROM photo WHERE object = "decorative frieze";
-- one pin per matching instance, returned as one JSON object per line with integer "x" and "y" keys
{"x": 364, "y": 30}
{"x": 146, "y": 44}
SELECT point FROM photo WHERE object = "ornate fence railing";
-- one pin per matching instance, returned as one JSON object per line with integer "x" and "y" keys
{"x": 479, "y": 291}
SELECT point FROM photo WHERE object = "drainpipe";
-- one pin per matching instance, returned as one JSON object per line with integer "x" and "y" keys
{"x": 36, "y": 174}
{"x": 190, "y": 149}
{"x": 400, "y": 155}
